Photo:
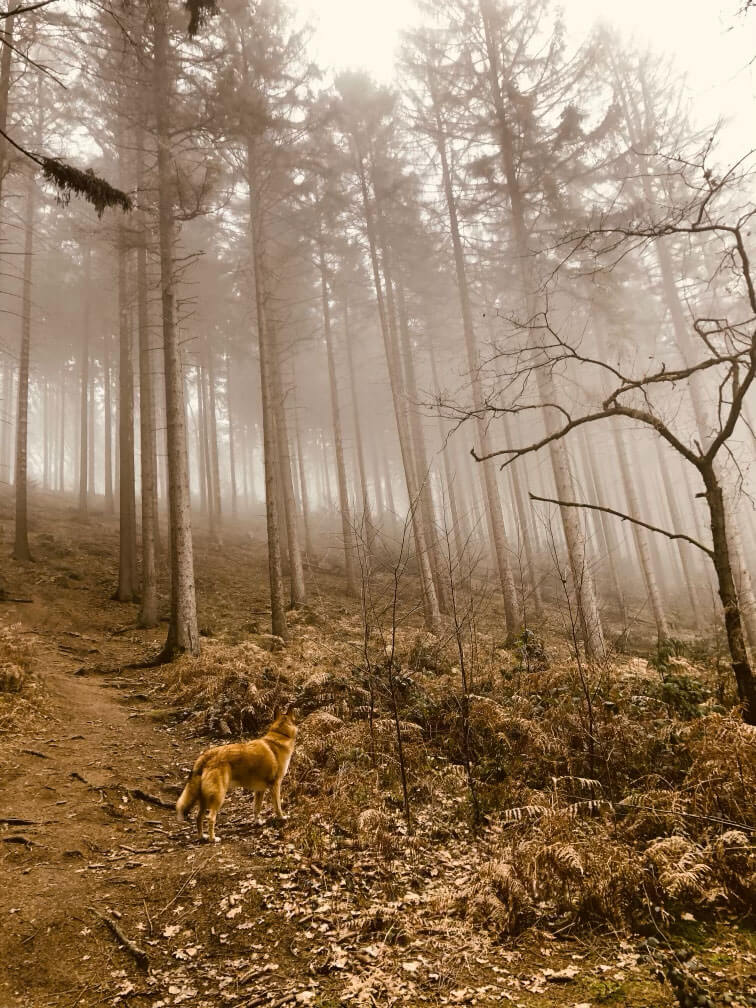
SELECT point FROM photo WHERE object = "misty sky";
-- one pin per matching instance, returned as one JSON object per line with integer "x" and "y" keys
{"x": 709, "y": 40}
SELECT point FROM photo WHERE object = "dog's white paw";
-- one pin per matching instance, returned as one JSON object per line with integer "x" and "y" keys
{"x": 216, "y": 839}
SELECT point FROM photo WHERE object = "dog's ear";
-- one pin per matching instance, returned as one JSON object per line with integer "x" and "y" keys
{"x": 289, "y": 708}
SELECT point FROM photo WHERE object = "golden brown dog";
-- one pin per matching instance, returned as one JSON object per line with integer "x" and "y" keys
{"x": 257, "y": 766}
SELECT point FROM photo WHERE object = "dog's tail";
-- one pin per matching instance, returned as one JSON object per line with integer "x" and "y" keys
{"x": 191, "y": 793}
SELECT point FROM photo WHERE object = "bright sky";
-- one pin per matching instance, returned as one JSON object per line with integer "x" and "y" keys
{"x": 710, "y": 41}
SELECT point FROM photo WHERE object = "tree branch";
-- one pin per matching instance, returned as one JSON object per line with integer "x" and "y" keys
{"x": 625, "y": 517}
{"x": 69, "y": 180}
{"x": 24, "y": 10}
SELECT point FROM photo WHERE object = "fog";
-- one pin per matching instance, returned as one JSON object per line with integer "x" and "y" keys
{"x": 243, "y": 293}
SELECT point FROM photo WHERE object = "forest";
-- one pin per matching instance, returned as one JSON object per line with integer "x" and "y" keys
{"x": 422, "y": 412}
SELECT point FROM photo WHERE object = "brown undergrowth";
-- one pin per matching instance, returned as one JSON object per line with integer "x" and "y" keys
{"x": 630, "y": 819}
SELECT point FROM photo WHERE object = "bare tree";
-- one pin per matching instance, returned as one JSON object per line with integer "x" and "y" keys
{"x": 706, "y": 219}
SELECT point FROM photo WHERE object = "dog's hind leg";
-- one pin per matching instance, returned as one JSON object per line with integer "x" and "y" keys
{"x": 211, "y": 826}
{"x": 200, "y": 820}
{"x": 275, "y": 794}
{"x": 259, "y": 795}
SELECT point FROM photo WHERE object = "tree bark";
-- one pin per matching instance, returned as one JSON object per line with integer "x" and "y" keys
{"x": 21, "y": 543}
{"x": 683, "y": 551}
{"x": 203, "y": 472}
{"x": 367, "y": 518}
{"x": 286, "y": 483}
{"x": 128, "y": 585}
{"x": 275, "y": 571}
{"x": 612, "y": 550}
{"x": 457, "y": 531}
{"x": 304, "y": 495}
{"x": 231, "y": 439}
{"x": 590, "y": 619}
{"x": 108, "y": 424}
{"x": 183, "y": 635}
{"x": 212, "y": 433}
{"x": 62, "y": 435}
{"x": 387, "y": 320}
{"x": 728, "y": 594}
{"x": 84, "y": 391}
{"x": 641, "y": 538}
{"x": 494, "y": 516}
{"x": 6, "y": 56}
{"x": 6, "y": 423}
{"x": 45, "y": 434}
{"x": 347, "y": 533}
{"x": 423, "y": 477}
{"x": 91, "y": 428}
{"x": 148, "y": 610}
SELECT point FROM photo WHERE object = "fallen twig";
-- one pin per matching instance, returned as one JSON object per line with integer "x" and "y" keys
{"x": 151, "y": 799}
{"x": 263, "y": 999}
{"x": 139, "y": 954}
{"x": 185, "y": 884}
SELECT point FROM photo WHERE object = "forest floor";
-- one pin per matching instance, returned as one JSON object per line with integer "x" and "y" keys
{"x": 90, "y": 768}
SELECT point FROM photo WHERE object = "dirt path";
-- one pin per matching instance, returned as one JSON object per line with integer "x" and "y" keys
{"x": 80, "y": 839}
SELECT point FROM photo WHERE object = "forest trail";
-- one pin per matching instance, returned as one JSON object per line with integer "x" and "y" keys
{"x": 88, "y": 831}
{"x": 268, "y": 917}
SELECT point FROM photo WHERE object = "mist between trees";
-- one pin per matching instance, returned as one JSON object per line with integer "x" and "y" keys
{"x": 509, "y": 300}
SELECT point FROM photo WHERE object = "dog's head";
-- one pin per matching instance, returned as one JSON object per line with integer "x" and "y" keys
{"x": 283, "y": 721}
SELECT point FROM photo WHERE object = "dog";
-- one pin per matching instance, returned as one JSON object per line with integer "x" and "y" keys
{"x": 257, "y": 766}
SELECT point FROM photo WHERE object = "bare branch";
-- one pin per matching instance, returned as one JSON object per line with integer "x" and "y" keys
{"x": 24, "y": 10}
{"x": 624, "y": 517}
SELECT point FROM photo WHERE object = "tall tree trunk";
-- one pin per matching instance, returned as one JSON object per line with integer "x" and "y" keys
{"x": 328, "y": 501}
{"x": 148, "y": 609}
{"x": 641, "y": 537}
{"x": 107, "y": 379}
{"x": 492, "y": 499}
{"x": 183, "y": 633}
{"x": 46, "y": 434}
{"x": 728, "y": 594}
{"x": 212, "y": 431}
{"x": 303, "y": 491}
{"x": 683, "y": 550}
{"x": 231, "y": 439}
{"x": 347, "y": 533}
{"x": 580, "y": 561}
{"x": 203, "y": 480}
{"x": 6, "y": 56}
{"x": 21, "y": 543}
{"x": 457, "y": 529}
{"x": 388, "y": 480}
{"x": 611, "y": 543}
{"x": 696, "y": 385}
{"x": 367, "y": 519}
{"x": 85, "y": 391}
{"x": 6, "y": 423}
{"x": 91, "y": 426}
{"x": 128, "y": 584}
{"x": 286, "y": 482}
{"x": 387, "y": 320}
{"x": 275, "y": 570}
{"x": 423, "y": 476}
{"x": 62, "y": 435}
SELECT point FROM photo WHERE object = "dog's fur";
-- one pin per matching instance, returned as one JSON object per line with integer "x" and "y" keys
{"x": 257, "y": 766}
